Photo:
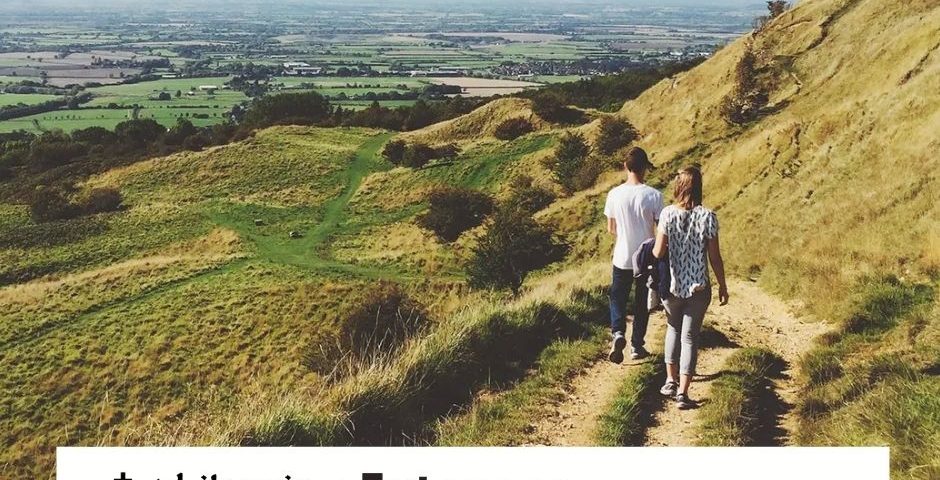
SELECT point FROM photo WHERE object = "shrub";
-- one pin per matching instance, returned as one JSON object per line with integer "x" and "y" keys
{"x": 748, "y": 96}
{"x": 417, "y": 155}
{"x": 568, "y": 159}
{"x": 47, "y": 205}
{"x": 448, "y": 151}
{"x": 615, "y": 133}
{"x": 528, "y": 197}
{"x": 54, "y": 149}
{"x": 195, "y": 142}
{"x": 383, "y": 322}
{"x": 394, "y": 151}
{"x": 100, "y": 200}
{"x": 587, "y": 174}
{"x": 514, "y": 245}
{"x": 454, "y": 211}
{"x": 513, "y": 128}
{"x": 550, "y": 106}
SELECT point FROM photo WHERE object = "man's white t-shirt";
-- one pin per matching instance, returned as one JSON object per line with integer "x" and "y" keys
{"x": 636, "y": 209}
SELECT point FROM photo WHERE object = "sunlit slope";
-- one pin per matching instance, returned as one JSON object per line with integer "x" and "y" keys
{"x": 839, "y": 175}
{"x": 479, "y": 124}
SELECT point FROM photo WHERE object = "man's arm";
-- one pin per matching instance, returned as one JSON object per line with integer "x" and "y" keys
{"x": 612, "y": 226}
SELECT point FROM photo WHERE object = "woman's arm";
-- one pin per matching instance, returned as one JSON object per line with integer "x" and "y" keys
{"x": 661, "y": 247}
{"x": 718, "y": 265}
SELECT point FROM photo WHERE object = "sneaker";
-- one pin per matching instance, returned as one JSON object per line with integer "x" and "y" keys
{"x": 669, "y": 389}
{"x": 616, "y": 348}
{"x": 684, "y": 402}
{"x": 637, "y": 353}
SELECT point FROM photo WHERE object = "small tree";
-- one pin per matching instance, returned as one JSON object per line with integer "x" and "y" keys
{"x": 447, "y": 151}
{"x": 100, "y": 200}
{"x": 551, "y": 106}
{"x": 528, "y": 197}
{"x": 569, "y": 157}
{"x": 48, "y": 204}
{"x": 514, "y": 245}
{"x": 454, "y": 211}
{"x": 587, "y": 173}
{"x": 513, "y": 128}
{"x": 394, "y": 151}
{"x": 417, "y": 155}
{"x": 614, "y": 133}
{"x": 777, "y": 8}
{"x": 748, "y": 96}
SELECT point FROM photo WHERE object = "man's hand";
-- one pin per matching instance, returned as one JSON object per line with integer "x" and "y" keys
{"x": 722, "y": 294}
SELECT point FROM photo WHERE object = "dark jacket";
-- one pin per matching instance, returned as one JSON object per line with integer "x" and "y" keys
{"x": 645, "y": 265}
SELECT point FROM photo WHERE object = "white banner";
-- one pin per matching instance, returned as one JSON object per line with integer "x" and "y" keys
{"x": 503, "y": 463}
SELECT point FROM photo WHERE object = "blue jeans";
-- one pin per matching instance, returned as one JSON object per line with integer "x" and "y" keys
{"x": 620, "y": 287}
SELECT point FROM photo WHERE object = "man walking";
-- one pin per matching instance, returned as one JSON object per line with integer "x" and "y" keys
{"x": 632, "y": 210}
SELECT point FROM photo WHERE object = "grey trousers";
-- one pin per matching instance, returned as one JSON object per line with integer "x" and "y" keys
{"x": 685, "y": 316}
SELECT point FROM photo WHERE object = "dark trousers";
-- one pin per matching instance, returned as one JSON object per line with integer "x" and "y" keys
{"x": 620, "y": 287}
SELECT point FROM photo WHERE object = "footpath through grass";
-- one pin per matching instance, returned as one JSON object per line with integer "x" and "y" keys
{"x": 743, "y": 407}
{"x": 317, "y": 225}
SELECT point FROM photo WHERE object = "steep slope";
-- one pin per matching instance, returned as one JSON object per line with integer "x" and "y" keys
{"x": 839, "y": 175}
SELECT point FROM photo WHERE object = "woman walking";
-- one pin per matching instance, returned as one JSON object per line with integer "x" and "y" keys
{"x": 688, "y": 232}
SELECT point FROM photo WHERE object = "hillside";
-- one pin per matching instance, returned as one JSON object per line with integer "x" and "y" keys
{"x": 839, "y": 177}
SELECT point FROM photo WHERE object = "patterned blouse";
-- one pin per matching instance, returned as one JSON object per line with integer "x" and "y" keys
{"x": 688, "y": 232}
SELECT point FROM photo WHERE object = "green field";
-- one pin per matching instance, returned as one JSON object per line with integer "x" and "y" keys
{"x": 69, "y": 120}
{"x": 26, "y": 99}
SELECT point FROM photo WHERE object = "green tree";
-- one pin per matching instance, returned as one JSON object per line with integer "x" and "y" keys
{"x": 569, "y": 157}
{"x": 454, "y": 210}
{"x": 614, "y": 133}
{"x": 305, "y": 108}
{"x": 394, "y": 151}
{"x": 514, "y": 246}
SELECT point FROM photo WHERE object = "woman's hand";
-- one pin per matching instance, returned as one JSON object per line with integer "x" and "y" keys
{"x": 722, "y": 294}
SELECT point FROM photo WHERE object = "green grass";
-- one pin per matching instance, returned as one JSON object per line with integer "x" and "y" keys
{"x": 26, "y": 99}
{"x": 742, "y": 408}
{"x": 874, "y": 381}
{"x": 625, "y": 419}
{"x": 505, "y": 418}
{"x": 392, "y": 399}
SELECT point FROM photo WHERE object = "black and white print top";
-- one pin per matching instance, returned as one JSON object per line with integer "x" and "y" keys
{"x": 688, "y": 232}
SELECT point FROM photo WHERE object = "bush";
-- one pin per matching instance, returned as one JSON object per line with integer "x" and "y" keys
{"x": 550, "y": 106}
{"x": 748, "y": 96}
{"x": 528, "y": 197}
{"x": 384, "y": 321}
{"x": 514, "y": 245}
{"x": 513, "y": 128}
{"x": 54, "y": 149}
{"x": 417, "y": 155}
{"x": 100, "y": 200}
{"x": 587, "y": 174}
{"x": 448, "y": 151}
{"x": 568, "y": 160}
{"x": 394, "y": 151}
{"x": 615, "y": 133}
{"x": 48, "y": 205}
{"x": 454, "y": 211}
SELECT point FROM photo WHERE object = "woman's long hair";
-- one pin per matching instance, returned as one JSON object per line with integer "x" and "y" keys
{"x": 688, "y": 192}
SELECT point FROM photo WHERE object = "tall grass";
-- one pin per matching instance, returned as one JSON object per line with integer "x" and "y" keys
{"x": 626, "y": 417}
{"x": 394, "y": 401}
{"x": 874, "y": 382}
{"x": 742, "y": 409}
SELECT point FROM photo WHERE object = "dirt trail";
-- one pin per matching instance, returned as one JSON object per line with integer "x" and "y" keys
{"x": 753, "y": 318}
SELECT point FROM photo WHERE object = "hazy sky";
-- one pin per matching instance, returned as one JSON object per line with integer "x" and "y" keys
{"x": 450, "y": 3}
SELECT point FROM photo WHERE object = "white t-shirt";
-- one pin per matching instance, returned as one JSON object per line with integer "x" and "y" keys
{"x": 636, "y": 210}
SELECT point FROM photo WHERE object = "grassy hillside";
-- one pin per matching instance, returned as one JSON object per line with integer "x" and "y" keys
{"x": 837, "y": 179}
{"x": 191, "y": 317}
